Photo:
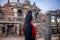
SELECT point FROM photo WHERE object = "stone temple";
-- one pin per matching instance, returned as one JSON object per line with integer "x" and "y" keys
{"x": 12, "y": 15}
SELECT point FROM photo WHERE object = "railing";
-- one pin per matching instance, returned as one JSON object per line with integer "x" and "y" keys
{"x": 6, "y": 21}
{"x": 40, "y": 29}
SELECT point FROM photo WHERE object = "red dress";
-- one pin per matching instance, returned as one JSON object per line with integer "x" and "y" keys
{"x": 33, "y": 30}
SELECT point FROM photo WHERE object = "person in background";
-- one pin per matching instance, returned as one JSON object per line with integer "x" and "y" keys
{"x": 29, "y": 27}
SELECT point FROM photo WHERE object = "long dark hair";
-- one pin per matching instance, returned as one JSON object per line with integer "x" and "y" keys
{"x": 28, "y": 18}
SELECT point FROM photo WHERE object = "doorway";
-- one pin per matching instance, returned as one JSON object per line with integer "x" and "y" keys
{"x": 9, "y": 31}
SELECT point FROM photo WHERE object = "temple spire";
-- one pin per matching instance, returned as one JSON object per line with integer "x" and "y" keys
{"x": 0, "y": 6}
{"x": 27, "y": 2}
{"x": 8, "y": 1}
{"x": 34, "y": 4}
{"x": 18, "y": 1}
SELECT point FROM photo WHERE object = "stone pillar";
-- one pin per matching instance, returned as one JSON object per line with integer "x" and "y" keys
{"x": 20, "y": 29}
{"x": 17, "y": 29}
{"x": 3, "y": 28}
{"x": 6, "y": 30}
{"x": 59, "y": 36}
{"x": 14, "y": 29}
{"x": 48, "y": 28}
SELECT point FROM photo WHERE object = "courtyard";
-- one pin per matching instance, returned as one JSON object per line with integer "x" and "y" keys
{"x": 22, "y": 38}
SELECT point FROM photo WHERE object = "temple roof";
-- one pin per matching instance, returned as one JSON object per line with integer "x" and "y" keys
{"x": 54, "y": 12}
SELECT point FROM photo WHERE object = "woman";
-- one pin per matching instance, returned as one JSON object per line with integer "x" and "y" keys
{"x": 28, "y": 26}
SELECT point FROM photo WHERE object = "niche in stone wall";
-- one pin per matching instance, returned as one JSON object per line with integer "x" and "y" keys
{"x": 19, "y": 14}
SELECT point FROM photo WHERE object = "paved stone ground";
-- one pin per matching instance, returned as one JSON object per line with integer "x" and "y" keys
{"x": 22, "y": 38}
{"x": 12, "y": 38}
